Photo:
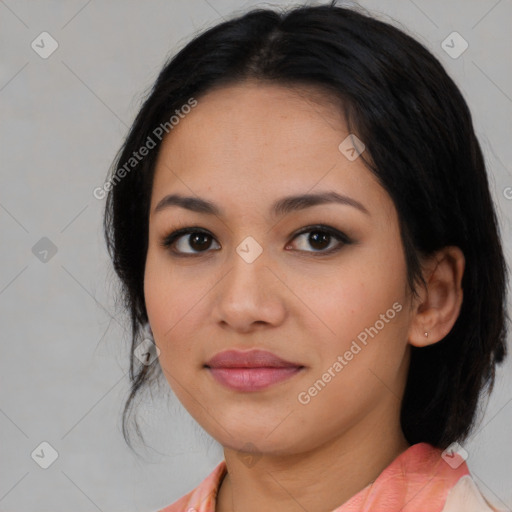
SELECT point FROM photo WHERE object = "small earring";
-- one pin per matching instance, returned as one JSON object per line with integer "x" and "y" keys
{"x": 426, "y": 334}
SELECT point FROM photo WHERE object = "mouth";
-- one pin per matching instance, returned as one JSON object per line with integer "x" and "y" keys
{"x": 252, "y": 379}
{"x": 252, "y": 370}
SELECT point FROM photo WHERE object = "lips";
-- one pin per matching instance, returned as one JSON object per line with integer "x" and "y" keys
{"x": 251, "y": 370}
{"x": 248, "y": 359}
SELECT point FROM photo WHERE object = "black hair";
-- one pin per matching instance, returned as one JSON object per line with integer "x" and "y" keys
{"x": 420, "y": 144}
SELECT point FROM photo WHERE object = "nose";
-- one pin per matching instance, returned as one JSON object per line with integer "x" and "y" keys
{"x": 249, "y": 295}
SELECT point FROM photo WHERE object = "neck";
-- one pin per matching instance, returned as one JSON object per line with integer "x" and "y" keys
{"x": 320, "y": 480}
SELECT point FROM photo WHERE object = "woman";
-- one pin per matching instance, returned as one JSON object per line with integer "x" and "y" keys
{"x": 300, "y": 217}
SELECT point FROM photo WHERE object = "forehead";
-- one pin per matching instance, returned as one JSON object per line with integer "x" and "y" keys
{"x": 256, "y": 141}
{"x": 236, "y": 122}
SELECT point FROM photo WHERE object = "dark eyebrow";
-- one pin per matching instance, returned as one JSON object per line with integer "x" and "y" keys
{"x": 280, "y": 207}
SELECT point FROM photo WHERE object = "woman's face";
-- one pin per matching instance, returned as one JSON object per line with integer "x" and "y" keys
{"x": 254, "y": 277}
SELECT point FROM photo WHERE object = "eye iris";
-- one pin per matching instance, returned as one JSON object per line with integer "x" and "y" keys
{"x": 316, "y": 237}
{"x": 201, "y": 239}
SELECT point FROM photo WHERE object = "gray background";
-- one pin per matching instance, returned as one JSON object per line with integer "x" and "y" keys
{"x": 64, "y": 346}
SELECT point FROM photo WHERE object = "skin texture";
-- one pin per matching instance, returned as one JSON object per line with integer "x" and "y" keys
{"x": 243, "y": 147}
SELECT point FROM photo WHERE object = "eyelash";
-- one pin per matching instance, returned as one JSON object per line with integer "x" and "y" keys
{"x": 171, "y": 238}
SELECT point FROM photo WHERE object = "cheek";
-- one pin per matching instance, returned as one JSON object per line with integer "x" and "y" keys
{"x": 341, "y": 304}
{"x": 170, "y": 315}
{"x": 360, "y": 316}
{"x": 170, "y": 307}
{"x": 168, "y": 294}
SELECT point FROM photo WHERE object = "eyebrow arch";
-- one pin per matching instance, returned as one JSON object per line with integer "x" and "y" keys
{"x": 280, "y": 207}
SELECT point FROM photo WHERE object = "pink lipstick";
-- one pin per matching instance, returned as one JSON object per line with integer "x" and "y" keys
{"x": 251, "y": 370}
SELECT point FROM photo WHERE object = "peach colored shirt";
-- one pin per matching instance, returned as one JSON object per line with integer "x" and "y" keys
{"x": 418, "y": 480}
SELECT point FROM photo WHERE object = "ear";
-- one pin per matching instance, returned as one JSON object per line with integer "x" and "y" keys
{"x": 438, "y": 307}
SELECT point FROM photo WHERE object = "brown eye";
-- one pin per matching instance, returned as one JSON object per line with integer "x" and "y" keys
{"x": 321, "y": 239}
{"x": 185, "y": 239}
{"x": 199, "y": 241}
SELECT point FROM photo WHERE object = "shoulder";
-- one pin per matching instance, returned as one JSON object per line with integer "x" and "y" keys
{"x": 466, "y": 496}
{"x": 203, "y": 497}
